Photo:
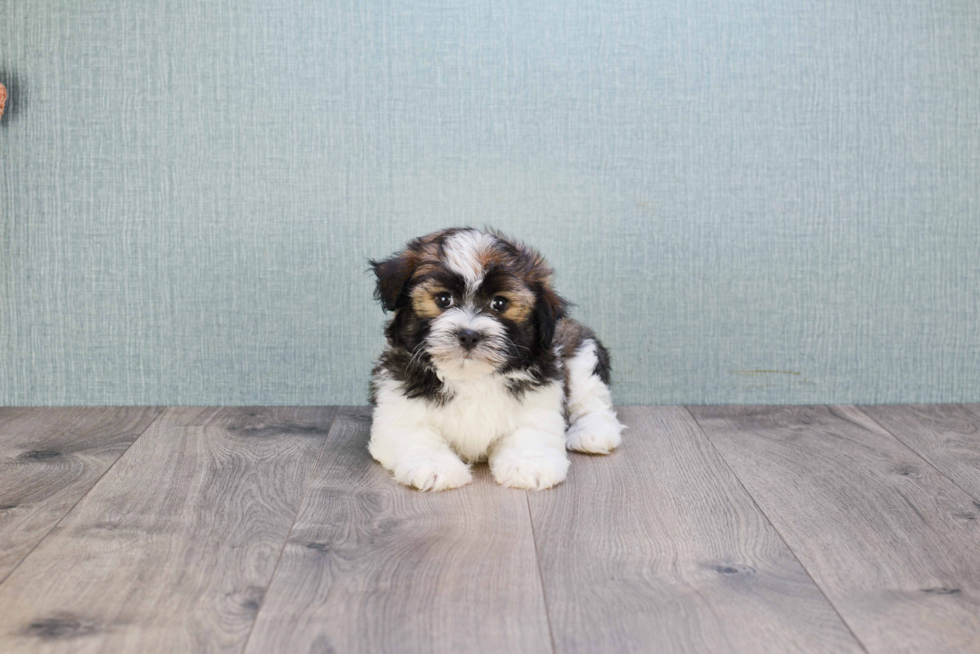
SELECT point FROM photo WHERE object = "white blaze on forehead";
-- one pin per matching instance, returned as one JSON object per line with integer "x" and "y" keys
{"x": 464, "y": 252}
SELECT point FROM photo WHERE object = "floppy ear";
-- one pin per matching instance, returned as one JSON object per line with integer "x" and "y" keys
{"x": 548, "y": 310}
{"x": 393, "y": 273}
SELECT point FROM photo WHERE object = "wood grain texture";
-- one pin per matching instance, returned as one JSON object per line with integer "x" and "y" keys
{"x": 657, "y": 548}
{"x": 372, "y": 566}
{"x": 173, "y": 549}
{"x": 894, "y": 544}
{"x": 945, "y": 435}
{"x": 49, "y": 459}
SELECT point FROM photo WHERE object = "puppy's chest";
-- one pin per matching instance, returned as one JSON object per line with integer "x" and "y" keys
{"x": 480, "y": 412}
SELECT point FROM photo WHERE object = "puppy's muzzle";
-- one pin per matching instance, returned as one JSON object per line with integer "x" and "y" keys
{"x": 469, "y": 338}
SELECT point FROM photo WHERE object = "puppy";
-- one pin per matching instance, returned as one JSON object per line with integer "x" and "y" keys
{"x": 481, "y": 364}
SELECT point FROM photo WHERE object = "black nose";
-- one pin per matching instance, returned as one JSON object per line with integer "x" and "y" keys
{"x": 468, "y": 338}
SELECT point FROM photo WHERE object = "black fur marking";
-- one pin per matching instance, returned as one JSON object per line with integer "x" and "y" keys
{"x": 417, "y": 376}
{"x": 449, "y": 280}
{"x": 518, "y": 387}
{"x": 548, "y": 310}
{"x": 393, "y": 274}
{"x": 530, "y": 356}
{"x": 602, "y": 365}
{"x": 495, "y": 279}
{"x": 569, "y": 336}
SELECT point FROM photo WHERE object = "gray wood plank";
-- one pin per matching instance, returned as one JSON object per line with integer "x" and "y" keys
{"x": 657, "y": 548}
{"x": 372, "y": 566}
{"x": 173, "y": 549}
{"x": 945, "y": 435}
{"x": 49, "y": 458}
{"x": 894, "y": 544}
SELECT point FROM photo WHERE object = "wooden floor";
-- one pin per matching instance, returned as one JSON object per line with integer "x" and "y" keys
{"x": 712, "y": 529}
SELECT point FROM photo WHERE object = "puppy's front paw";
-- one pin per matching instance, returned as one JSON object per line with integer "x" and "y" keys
{"x": 532, "y": 469}
{"x": 594, "y": 433}
{"x": 433, "y": 472}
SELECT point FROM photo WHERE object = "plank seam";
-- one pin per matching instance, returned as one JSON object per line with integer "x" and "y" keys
{"x": 915, "y": 452}
{"x": 84, "y": 495}
{"x": 537, "y": 560}
{"x": 774, "y": 528}
{"x": 285, "y": 541}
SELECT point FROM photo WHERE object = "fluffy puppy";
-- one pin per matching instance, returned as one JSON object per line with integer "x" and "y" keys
{"x": 481, "y": 363}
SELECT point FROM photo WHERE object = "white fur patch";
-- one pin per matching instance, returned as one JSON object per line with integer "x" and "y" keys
{"x": 594, "y": 426}
{"x": 412, "y": 438}
{"x": 463, "y": 252}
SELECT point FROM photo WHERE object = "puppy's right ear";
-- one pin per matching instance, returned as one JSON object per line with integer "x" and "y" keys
{"x": 393, "y": 274}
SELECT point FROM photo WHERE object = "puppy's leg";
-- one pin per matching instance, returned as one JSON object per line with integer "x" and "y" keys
{"x": 594, "y": 427}
{"x": 416, "y": 455}
{"x": 531, "y": 457}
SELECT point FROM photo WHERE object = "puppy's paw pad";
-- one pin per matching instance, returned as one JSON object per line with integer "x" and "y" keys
{"x": 594, "y": 433}
{"x": 434, "y": 473}
{"x": 530, "y": 471}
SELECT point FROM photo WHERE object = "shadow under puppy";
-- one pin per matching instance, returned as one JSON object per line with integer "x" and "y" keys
{"x": 481, "y": 363}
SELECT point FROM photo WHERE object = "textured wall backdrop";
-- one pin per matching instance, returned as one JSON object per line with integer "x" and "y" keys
{"x": 750, "y": 200}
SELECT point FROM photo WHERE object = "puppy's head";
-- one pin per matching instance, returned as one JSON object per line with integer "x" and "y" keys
{"x": 471, "y": 302}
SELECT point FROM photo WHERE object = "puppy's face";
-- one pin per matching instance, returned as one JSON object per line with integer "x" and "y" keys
{"x": 470, "y": 302}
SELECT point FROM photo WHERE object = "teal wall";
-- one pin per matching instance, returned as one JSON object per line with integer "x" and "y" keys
{"x": 189, "y": 190}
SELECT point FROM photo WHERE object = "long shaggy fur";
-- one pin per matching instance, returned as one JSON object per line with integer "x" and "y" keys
{"x": 481, "y": 363}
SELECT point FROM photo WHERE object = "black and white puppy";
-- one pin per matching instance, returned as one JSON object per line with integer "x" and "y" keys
{"x": 481, "y": 364}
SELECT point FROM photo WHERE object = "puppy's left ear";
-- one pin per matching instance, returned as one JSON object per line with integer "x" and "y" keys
{"x": 393, "y": 274}
{"x": 550, "y": 308}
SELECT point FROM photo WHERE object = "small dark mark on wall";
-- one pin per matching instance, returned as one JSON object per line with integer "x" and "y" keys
{"x": 646, "y": 207}
{"x": 941, "y": 591}
{"x": 319, "y": 547}
{"x": 15, "y": 97}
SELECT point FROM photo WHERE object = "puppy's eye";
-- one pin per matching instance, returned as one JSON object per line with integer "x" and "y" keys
{"x": 499, "y": 304}
{"x": 444, "y": 300}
